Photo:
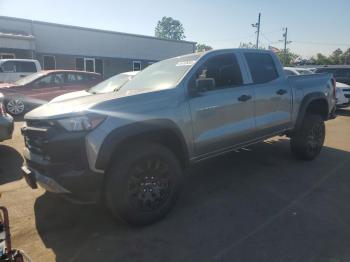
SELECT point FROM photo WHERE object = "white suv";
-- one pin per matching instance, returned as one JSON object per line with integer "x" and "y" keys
{"x": 13, "y": 69}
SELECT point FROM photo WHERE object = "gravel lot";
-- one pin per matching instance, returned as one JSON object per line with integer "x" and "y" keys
{"x": 259, "y": 204}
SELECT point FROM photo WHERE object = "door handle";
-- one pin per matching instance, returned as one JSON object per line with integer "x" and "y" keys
{"x": 281, "y": 92}
{"x": 244, "y": 98}
{"x": 22, "y": 75}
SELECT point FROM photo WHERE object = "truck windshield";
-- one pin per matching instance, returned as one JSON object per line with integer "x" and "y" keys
{"x": 111, "y": 84}
{"x": 162, "y": 75}
{"x": 28, "y": 79}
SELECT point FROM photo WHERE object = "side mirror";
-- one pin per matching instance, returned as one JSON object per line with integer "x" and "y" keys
{"x": 205, "y": 84}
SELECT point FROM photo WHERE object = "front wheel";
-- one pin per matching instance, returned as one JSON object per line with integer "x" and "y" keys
{"x": 143, "y": 184}
{"x": 308, "y": 141}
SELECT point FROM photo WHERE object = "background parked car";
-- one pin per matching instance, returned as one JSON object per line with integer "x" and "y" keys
{"x": 343, "y": 95}
{"x": 342, "y": 90}
{"x": 6, "y": 122}
{"x": 41, "y": 87}
{"x": 340, "y": 72}
{"x": 297, "y": 71}
{"x": 13, "y": 69}
{"x": 111, "y": 84}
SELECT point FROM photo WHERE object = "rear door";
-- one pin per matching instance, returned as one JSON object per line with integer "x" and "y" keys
{"x": 23, "y": 69}
{"x": 76, "y": 82}
{"x": 222, "y": 116}
{"x": 273, "y": 96}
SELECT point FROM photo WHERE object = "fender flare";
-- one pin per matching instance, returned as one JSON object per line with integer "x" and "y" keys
{"x": 307, "y": 100}
{"x": 121, "y": 134}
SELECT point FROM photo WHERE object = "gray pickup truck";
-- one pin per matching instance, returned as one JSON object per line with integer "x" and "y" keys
{"x": 130, "y": 148}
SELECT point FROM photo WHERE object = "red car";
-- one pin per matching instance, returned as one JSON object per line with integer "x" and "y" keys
{"x": 39, "y": 88}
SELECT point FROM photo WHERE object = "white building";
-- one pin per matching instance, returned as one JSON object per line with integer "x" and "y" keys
{"x": 59, "y": 46}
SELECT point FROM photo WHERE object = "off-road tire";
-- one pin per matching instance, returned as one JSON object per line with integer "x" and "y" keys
{"x": 306, "y": 143}
{"x": 143, "y": 183}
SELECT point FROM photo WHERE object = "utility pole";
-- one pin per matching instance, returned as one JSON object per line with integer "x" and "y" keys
{"x": 285, "y": 35}
{"x": 257, "y": 25}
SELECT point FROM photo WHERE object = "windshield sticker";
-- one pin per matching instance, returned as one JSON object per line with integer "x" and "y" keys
{"x": 186, "y": 63}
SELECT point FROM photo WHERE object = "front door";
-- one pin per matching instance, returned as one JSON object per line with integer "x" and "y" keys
{"x": 46, "y": 88}
{"x": 223, "y": 114}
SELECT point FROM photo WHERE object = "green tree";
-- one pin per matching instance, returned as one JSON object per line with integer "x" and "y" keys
{"x": 170, "y": 28}
{"x": 322, "y": 59}
{"x": 336, "y": 58}
{"x": 287, "y": 58}
{"x": 203, "y": 47}
{"x": 346, "y": 57}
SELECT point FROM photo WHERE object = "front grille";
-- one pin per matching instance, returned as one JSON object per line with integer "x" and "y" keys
{"x": 347, "y": 95}
{"x": 51, "y": 143}
{"x": 346, "y": 89}
{"x": 35, "y": 139}
{"x": 36, "y": 134}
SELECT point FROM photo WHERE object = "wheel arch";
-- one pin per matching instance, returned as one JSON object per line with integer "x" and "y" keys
{"x": 315, "y": 103}
{"x": 164, "y": 132}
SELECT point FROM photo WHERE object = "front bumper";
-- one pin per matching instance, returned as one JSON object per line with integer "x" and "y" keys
{"x": 59, "y": 177}
{"x": 6, "y": 127}
{"x": 56, "y": 160}
{"x": 33, "y": 178}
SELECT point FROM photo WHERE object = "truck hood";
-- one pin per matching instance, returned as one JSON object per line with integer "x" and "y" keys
{"x": 98, "y": 102}
{"x": 70, "y": 95}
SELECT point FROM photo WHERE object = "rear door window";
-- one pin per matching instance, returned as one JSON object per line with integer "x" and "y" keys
{"x": 25, "y": 66}
{"x": 74, "y": 79}
{"x": 58, "y": 79}
{"x": 262, "y": 67}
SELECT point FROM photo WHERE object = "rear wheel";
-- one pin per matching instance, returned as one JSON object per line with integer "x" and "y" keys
{"x": 15, "y": 107}
{"x": 143, "y": 185}
{"x": 308, "y": 141}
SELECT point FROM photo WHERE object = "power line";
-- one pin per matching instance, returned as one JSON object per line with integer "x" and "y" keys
{"x": 231, "y": 39}
{"x": 321, "y": 43}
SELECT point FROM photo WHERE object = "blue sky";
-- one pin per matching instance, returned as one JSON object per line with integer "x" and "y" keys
{"x": 314, "y": 26}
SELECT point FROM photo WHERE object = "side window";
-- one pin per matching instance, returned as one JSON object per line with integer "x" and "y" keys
{"x": 224, "y": 70}
{"x": 73, "y": 78}
{"x": 8, "y": 66}
{"x": 262, "y": 67}
{"x": 43, "y": 82}
{"x": 58, "y": 79}
{"x": 25, "y": 67}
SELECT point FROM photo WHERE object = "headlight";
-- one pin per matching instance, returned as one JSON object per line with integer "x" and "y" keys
{"x": 81, "y": 123}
